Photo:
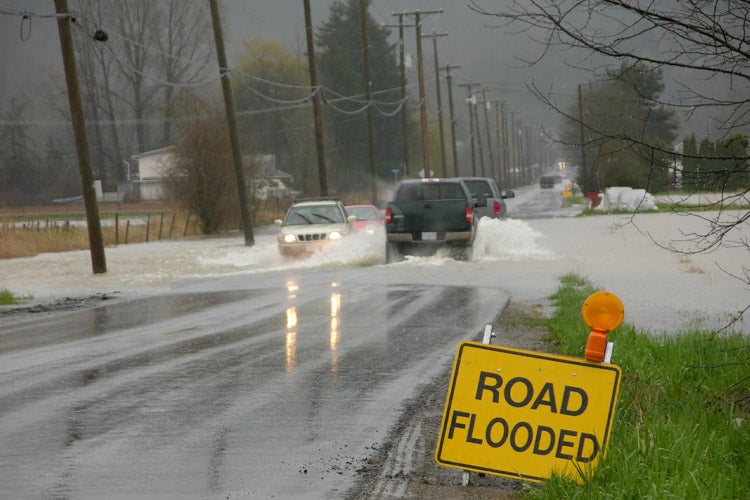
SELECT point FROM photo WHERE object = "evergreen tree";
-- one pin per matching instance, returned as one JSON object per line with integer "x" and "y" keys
{"x": 627, "y": 132}
{"x": 339, "y": 41}
{"x": 733, "y": 163}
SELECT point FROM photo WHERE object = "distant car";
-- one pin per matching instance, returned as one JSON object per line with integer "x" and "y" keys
{"x": 549, "y": 180}
{"x": 368, "y": 217}
{"x": 489, "y": 200}
{"x": 313, "y": 223}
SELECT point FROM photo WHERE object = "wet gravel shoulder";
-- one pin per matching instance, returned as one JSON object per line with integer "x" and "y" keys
{"x": 30, "y": 310}
{"x": 404, "y": 467}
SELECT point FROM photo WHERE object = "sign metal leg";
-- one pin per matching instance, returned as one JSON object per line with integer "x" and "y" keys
{"x": 487, "y": 339}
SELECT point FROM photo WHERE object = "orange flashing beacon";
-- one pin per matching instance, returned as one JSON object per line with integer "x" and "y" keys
{"x": 602, "y": 312}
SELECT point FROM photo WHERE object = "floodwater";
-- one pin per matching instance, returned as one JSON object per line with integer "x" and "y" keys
{"x": 525, "y": 255}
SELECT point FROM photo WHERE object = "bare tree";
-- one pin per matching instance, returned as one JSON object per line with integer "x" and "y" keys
{"x": 96, "y": 70}
{"x": 703, "y": 43}
{"x": 136, "y": 58}
{"x": 186, "y": 48}
{"x": 17, "y": 169}
{"x": 201, "y": 176}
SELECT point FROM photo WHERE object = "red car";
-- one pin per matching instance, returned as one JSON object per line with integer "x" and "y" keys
{"x": 368, "y": 217}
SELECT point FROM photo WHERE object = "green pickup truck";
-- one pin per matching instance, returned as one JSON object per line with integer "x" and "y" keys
{"x": 427, "y": 214}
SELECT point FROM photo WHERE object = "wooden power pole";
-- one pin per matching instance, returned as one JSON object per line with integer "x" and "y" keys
{"x": 434, "y": 37}
{"x": 471, "y": 100}
{"x": 404, "y": 107}
{"x": 420, "y": 73}
{"x": 317, "y": 113}
{"x": 449, "y": 82}
{"x": 489, "y": 135}
{"x": 368, "y": 97}
{"x": 234, "y": 139}
{"x": 93, "y": 224}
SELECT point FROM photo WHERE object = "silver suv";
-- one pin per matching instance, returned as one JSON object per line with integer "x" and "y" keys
{"x": 311, "y": 224}
{"x": 488, "y": 199}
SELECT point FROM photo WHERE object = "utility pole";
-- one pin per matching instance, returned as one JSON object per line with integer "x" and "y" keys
{"x": 522, "y": 160}
{"x": 512, "y": 144}
{"x": 420, "y": 73}
{"x": 93, "y": 223}
{"x": 317, "y": 113}
{"x": 506, "y": 156}
{"x": 498, "y": 147}
{"x": 586, "y": 175}
{"x": 470, "y": 100}
{"x": 526, "y": 144}
{"x": 234, "y": 138}
{"x": 448, "y": 79}
{"x": 434, "y": 37}
{"x": 480, "y": 148}
{"x": 487, "y": 126}
{"x": 404, "y": 107}
{"x": 368, "y": 97}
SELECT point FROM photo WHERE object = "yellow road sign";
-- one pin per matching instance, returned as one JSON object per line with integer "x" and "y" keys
{"x": 526, "y": 415}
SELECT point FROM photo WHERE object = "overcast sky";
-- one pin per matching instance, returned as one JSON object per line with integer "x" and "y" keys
{"x": 487, "y": 55}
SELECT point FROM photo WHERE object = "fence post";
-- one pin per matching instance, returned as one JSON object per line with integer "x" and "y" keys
{"x": 148, "y": 225}
{"x": 127, "y": 231}
{"x": 187, "y": 223}
{"x": 117, "y": 228}
{"x": 161, "y": 224}
{"x": 171, "y": 224}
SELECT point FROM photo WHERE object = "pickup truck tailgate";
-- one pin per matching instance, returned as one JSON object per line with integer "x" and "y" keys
{"x": 429, "y": 215}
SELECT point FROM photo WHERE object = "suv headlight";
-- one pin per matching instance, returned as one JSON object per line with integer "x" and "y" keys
{"x": 287, "y": 238}
{"x": 334, "y": 235}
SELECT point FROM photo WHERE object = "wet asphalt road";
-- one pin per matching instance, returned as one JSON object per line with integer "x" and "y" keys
{"x": 277, "y": 388}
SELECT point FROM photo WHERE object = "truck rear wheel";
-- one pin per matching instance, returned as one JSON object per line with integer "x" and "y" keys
{"x": 461, "y": 252}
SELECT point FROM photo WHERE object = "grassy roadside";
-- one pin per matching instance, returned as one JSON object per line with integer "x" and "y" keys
{"x": 682, "y": 424}
{"x": 26, "y": 235}
{"x": 8, "y": 299}
{"x": 30, "y": 232}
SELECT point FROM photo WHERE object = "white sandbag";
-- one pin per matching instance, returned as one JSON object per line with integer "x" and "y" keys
{"x": 626, "y": 198}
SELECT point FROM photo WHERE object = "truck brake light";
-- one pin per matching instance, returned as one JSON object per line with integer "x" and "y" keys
{"x": 496, "y": 208}
{"x": 469, "y": 214}
{"x": 388, "y": 216}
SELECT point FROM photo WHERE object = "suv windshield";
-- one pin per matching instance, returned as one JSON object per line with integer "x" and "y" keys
{"x": 314, "y": 214}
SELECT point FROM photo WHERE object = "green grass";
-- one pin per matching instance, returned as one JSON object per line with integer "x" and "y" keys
{"x": 8, "y": 299}
{"x": 574, "y": 200}
{"x": 682, "y": 424}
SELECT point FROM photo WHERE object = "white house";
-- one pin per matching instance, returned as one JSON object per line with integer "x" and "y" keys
{"x": 147, "y": 174}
